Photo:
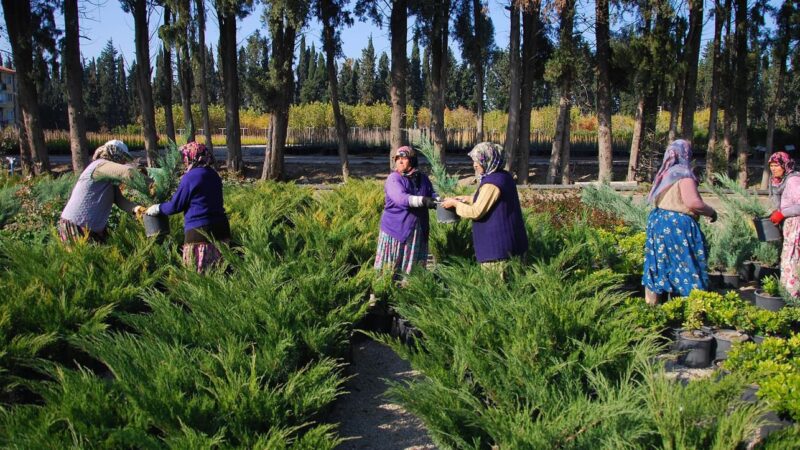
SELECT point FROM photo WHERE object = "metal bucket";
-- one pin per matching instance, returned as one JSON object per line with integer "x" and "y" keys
{"x": 766, "y": 230}
{"x": 156, "y": 225}
{"x": 446, "y": 215}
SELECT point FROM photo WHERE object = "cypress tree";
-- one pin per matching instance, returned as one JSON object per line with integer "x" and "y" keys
{"x": 366, "y": 75}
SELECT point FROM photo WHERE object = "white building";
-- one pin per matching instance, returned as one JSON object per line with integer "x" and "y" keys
{"x": 8, "y": 97}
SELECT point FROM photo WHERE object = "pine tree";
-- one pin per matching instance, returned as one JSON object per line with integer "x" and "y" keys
{"x": 366, "y": 76}
{"x": 345, "y": 80}
{"x": 302, "y": 68}
{"x": 383, "y": 79}
{"x": 352, "y": 89}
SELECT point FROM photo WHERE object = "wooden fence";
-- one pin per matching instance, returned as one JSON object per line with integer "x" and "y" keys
{"x": 359, "y": 139}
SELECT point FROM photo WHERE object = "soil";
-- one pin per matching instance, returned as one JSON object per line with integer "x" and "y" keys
{"x": 366, "y": 419}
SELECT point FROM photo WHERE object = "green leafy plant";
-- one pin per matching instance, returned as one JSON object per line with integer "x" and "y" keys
{"x": 165, "y": 177}
{"x": 767, "y": 254}
{"x": 771, "y": 285}
{"x": 605, "y": 198}
{"x": 444, "y": 183}
{"x": 737, "y": 199}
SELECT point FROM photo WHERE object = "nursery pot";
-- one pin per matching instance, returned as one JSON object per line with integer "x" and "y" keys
{"x": 725, "y": 339}
{"x": 762, "y": 272}
{"x": 730, "y": 280}
{"x": 695, "y": 348}
{"x": 156, "y": 225}
{"x": 715, "y": 280}
{"x": 768, "y": 302}
{"x": 746, "y": 271}
{"x": 446, "y": 215}
{"x": 766, "y": 230}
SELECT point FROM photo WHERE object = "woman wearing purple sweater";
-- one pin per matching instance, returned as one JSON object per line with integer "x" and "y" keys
{"x": 199, "y": 198}
{"x": 403, "y": 240}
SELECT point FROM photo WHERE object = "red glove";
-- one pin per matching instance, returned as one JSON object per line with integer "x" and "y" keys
{"x": 776, "y": 217}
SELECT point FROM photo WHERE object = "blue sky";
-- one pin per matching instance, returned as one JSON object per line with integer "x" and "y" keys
{"x": 102, "y": 20}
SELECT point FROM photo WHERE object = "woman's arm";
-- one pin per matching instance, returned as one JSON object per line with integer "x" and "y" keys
{"x": 123, "y": 203}
{"x": 692, "y": 200}
{"x": 179, "y": 201}
{"x": 487, "y": 197}
{"x": 112, "y": 170}
{"x": 792, "y": 186}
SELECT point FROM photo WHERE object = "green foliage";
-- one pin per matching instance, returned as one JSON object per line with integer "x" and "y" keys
{"x": 775, "y": 366}
{"x": 767, "y": 253}
{"x": 771, "y": 285}
{"x": 165, "y": 177}
{"x": 604, "y": 198}
{"x": 738, "y": 200}
{"x": 548, "y": 358}
{"x": 731, "y": 242}
{"x": 9, "y": 204}
{"x": 444, "y": 183}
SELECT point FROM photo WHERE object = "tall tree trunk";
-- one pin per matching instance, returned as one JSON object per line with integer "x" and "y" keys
{"x": 18, "y": 24}
{"x": 604, "y": 143}
{"x": 25, "y": 162}
{"x": 167, "y": 68}
{"x": 675, "y": 107}
{"x": 741, "y": 89}
{"x": 328, "y": 10}
{"x": 230, "y": 87}
{"x": 73, "y": 72}
{"x": 727, "y": 98}
{"x": 438, "y": 42}
{"x": 184, "y": 64}
{"x": 692, "y": 55}
{"x": 636, "y": 140}
{"x": 142, "y": 42}
{"x": 202, "y": 62}
{"x": 560, "y": 150}
{"x": 711, "y": 150}
{"x": 283, "y": 38}
{"x": 398, "y": 31}
{"x": 773, "y": 108}
{"x": 477, "y": 64}
{"x": 530, "y": 31}
{"x": 512, "y": 129}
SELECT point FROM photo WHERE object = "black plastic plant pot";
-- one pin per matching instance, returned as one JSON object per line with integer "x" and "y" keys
{"x": 730, "y": 280}
{"x": 762, "y": 271}
{"x": 446, "y": 215}
{"x": 758, "y": 338}
{"x": 694, "y": 347}
{"x": 746, "y": 271}
{"x": 715, "y": 280}
{"x": 766, "y": 230}
{"x": 155, "y": 226}
{"x": 768, "y": 302}
{"x": 725, "y": 339}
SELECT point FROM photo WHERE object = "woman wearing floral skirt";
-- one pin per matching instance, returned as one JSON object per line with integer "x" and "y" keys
{"x": 199, "y": 198}
{"x": 403, "y": 239}
{"x": 675, "y": 249}
{"x": 784, "y": 191}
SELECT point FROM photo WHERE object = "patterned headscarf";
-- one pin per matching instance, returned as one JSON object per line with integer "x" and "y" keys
{"x": 490, "y": 156}
{"x": 408, "y": 152}
{"x": 197, "y": 155}
{"x": 675, "y": 166}
{"x": 114, "y": 151}
{"x": 784, "y": 160}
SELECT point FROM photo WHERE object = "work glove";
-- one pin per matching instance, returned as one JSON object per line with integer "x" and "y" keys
{"x": 776, "y": 217}
{"x": 153, "y": 210}
{"x": 429, "y": 202}
{"x": 138, "y": 211}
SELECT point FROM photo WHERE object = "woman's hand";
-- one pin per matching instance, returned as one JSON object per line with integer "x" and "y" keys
{"x": 450, "y": 202}
{"x": 776, "y": 217}
{"x": 462, "y": 198}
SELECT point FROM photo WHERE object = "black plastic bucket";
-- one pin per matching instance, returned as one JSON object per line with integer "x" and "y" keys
{"x": 446, "y": 215}
{"x": 725, "y": 339}
{"x": 768, "y": 302}
{"x": 156, "y": 225}
{"x": 766, "y": 230}
{"x": 695, "y": 348}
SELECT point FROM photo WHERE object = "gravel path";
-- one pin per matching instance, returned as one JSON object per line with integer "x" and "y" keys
{"x": 366, "y": 419}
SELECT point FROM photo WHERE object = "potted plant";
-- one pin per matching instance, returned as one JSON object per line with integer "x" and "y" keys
{"x": 444, "y": 183}
{"x": 740, "y": 202}
{"x": 769, "y": 296}
{"x": 731, "y": 242}
{"x": 766, "y": 257}
{"x": 693, "y": 343}
{"x": 165, "y": 178}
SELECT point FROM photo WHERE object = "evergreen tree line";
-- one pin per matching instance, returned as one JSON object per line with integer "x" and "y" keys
{"x": 652, "y": 62}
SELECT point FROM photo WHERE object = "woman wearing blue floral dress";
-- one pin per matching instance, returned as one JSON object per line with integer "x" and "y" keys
{"x": 675, "y": 249}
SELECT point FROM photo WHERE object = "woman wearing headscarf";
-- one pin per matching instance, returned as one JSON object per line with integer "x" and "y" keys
{"x": 403, "y": 239}
{"x": 498, "y": 229}
{"x": 199, "y": 198}
{"x": 784, "y": 192}
{"x": 675, "y": 249}
{"x": 89, "y": 205}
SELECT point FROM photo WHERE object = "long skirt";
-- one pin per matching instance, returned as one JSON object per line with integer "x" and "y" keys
{"x": 674, "y": 254}
{"x": 790, "y": 256}
{"x": 70, "y": 232}
{"x": 198, "y": 251}
{"x": 401, "y": 257}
